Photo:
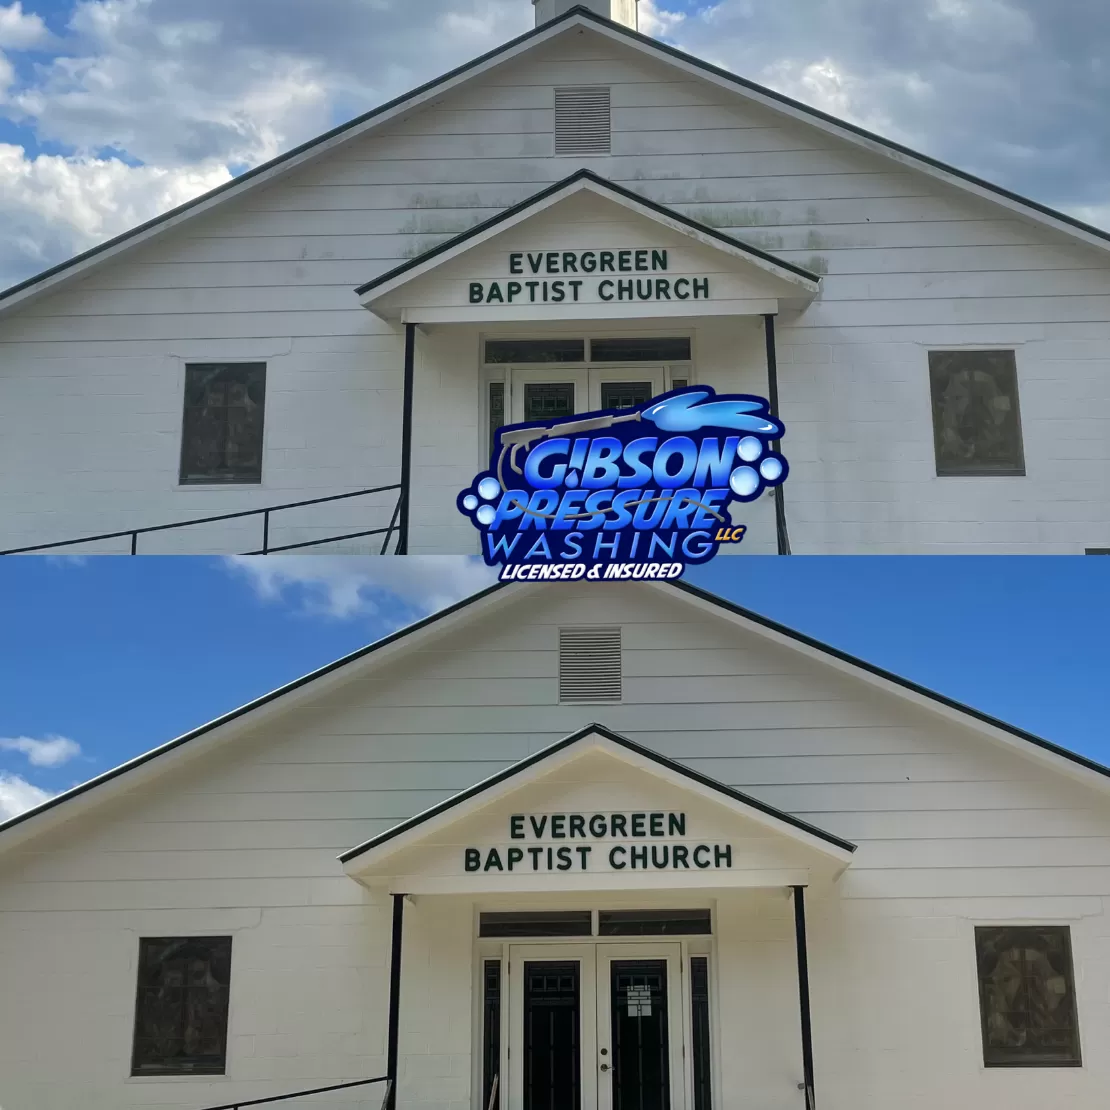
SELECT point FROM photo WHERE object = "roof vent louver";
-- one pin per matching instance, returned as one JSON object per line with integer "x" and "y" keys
{"x": 583, "y": 120}
{"x": 589, "y": 664}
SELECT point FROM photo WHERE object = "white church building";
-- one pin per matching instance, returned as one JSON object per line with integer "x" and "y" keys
{"x": 578, "y": 847}
{"x": 583, "y": 217}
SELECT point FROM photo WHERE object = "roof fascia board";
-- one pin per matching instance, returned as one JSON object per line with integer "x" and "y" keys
{"x": 145, "y": 768}
{"x": 583, "y": 181}
{"x": 1042, "y": 751}
{"x": 592, "y": 738}
{"x": 888, "y": 148}
{"x": 278, "y": 167}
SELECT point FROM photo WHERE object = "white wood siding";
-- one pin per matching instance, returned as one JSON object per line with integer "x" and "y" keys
{"x": 952, "y": 831}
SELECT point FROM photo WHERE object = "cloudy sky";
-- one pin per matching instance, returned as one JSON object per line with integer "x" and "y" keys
{"x": 102, "y": 659}
{"x": 112, "y": 111}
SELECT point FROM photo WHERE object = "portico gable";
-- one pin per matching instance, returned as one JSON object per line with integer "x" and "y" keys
{"x": 594, "y": 813}
{"x": 586, "y": 249}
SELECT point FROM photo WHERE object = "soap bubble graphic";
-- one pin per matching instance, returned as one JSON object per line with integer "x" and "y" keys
{"x": 750, "y": 448}
{"x": 470, "y": 502}
{"x": 771, "y": 468}
{"x": 489, "y": 488}
{"x": 744, "y": 481}
{"x": 486, "y": 514}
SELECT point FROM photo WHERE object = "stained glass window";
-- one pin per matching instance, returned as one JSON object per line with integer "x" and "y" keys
{"x": 976, "y": 422}
{"x": 496, "y": 409}
{"x": 491, "y": 1020}
{"x": 699, "y": 1000}
{"x": 181, "y": 1006}
{"x": 221, "y": 438}
{"x": 1027, "y": 996}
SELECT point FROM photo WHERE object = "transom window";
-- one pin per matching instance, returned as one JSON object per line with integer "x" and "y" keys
{"x": 1027, "y": 996}
{"x": 603, "y": 923}
{"x": 976, "y": 420}
{"x": 572, "y": 351}
{"x": 181, "y": 1006}
{"x": 221, "y": 439}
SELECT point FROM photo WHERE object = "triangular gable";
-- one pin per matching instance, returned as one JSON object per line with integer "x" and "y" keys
{"x": 577, "y": 17}
{"x": 597, "y": 811}
{"x": 136, "y": 773}
{"x": 577, "y": 218}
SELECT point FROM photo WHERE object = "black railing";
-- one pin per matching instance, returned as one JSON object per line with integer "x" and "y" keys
{"x": 306, "y": 1094}
{"x": 267, "y": 547}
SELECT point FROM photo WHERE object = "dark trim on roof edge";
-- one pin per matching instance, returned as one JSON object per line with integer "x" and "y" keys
{"x": 890, "y": 676}
{"x": 258, "y": 703}
{"x": 636, "y": 36}
{"x": 551, "y": 190}
{"x": 528, "y": 762}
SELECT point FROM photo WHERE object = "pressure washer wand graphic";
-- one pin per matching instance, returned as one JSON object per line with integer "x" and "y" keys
{"x": 513, "y": 441}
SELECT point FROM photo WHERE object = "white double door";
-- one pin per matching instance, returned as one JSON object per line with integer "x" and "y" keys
{"x": 550, "y": 392}
{"x": 596, "y": 1026}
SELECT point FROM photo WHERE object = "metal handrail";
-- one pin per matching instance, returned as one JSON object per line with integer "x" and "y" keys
{"x": 493, "y": 1091}
{"x": 266, "y": 549}
{"x": 315, "y": 1091}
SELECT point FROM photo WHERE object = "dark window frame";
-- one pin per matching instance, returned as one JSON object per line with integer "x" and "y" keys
{"x": 994, "y": 1057}
{"x": 1012, "y": 468}
{"x": 182, "y": 1066}
{"x": 188, "y": 472}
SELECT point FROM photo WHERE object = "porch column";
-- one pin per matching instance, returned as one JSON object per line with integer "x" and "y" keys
{"x": 406, "y": 439}
{"x": 803, "y": 992}
{"x": 395, "y": 999}
{"x": 773, "y": 397}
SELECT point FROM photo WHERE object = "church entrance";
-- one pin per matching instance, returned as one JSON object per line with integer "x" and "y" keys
{"x": 596, "y": 1026}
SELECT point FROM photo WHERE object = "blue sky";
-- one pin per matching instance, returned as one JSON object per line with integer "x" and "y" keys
{"x": 118, "y": 655}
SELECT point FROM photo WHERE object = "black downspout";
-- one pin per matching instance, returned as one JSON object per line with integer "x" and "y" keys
{"x": 781, "y": 533}
{"x": 803, "y": 992}
{"x": 395, "y": 1000}
{"x": 406, "y": 439}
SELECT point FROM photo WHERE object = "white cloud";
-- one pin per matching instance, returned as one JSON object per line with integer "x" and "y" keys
{"x": 350, "y": 586}
{"x": 17, "y": 796}
{"x": 53, "y": 207}
{"x": 20, "y": 30}
{"x": 51, "y": 752}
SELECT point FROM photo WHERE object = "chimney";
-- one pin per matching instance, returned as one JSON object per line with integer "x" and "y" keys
{"x": 619, "y": 11}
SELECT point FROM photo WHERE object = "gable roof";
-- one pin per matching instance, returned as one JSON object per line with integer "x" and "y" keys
{"x": 578, "y": 15}
{"x": 1078, "y": 766}
{"x": 585, "y": 180}
{"x": 777, "y": 817}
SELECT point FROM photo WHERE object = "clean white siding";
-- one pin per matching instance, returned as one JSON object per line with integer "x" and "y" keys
{"x": 90, "y": 379}
{"x": 952, "y": 831}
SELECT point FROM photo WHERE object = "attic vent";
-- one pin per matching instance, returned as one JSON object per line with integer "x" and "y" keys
{"x": 589, "y": 664}
{"x": 583, "y": 124}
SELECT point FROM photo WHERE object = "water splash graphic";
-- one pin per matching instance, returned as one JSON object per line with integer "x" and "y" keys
{"x": 690, "y": 412}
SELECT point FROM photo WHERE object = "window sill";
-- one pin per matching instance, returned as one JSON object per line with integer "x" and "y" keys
{"x": 981, "y": 474}
{"x": 207, "y": 487}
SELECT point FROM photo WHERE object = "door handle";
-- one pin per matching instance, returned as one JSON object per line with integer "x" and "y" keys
{"x": 604, "y": 1067}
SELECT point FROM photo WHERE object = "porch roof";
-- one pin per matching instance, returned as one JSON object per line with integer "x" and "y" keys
{"x": 595, "y": 773}
{"x": 583, "y": 215}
